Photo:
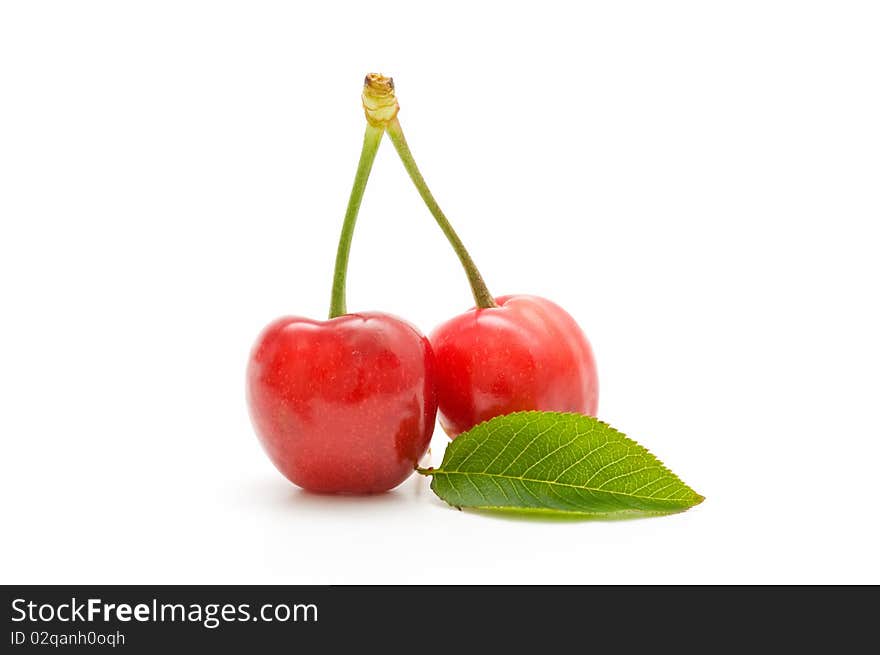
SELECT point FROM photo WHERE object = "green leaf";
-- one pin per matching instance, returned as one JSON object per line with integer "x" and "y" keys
{"x": 557, "y": 463}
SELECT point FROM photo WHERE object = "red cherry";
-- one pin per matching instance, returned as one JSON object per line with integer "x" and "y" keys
{"x": 345, "y": 405}
{"x": 526, "y": 353}
{"x": 510, "y": 354}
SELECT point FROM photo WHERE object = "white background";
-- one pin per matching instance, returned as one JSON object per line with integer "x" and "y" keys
{"x": 697, "y": 183}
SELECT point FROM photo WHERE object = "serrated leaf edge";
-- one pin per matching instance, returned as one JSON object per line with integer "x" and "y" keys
{"x": 695, "y": 500}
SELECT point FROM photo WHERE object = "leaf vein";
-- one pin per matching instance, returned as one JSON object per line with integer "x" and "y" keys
{"x": 552, "y": 452}
{"x": 527, "y": 446}
{"x": 568, "y": 468}
{"x": 553, "y": 484}
{"x": 628, "y": 473}
{"x": 512, "y": 438}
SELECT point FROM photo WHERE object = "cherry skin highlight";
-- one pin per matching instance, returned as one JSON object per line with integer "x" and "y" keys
{"x": 525, "y": 354}
{"x": 345, "y": 405}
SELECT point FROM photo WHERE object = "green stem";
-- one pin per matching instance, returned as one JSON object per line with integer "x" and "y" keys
{"x": 481, "y": 293}
{"x": 372, "y": 139}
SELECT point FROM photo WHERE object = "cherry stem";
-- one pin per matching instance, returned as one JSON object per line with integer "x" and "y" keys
{"x": 372, "y": 139}
{"x": 481, "y": 293}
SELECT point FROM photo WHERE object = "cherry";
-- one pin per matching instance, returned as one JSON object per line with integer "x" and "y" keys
{"x": 345, "y": 405}
{"x": 516, "y": 353}
{"x": 525, "y": 353}
{"x": 348, "y": 404}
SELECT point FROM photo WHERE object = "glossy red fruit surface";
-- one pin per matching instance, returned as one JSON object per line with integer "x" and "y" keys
{"x": 345, "y": 405}
{"x": 525, "y": 354}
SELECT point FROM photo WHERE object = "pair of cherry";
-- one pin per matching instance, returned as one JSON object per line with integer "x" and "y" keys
{"x": 349, "y": 404}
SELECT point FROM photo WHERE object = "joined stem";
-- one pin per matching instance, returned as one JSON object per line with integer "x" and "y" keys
{"x": 372, "y": 139}
{"x": 380, "y": 108}
{"x": 482, "y": 297}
